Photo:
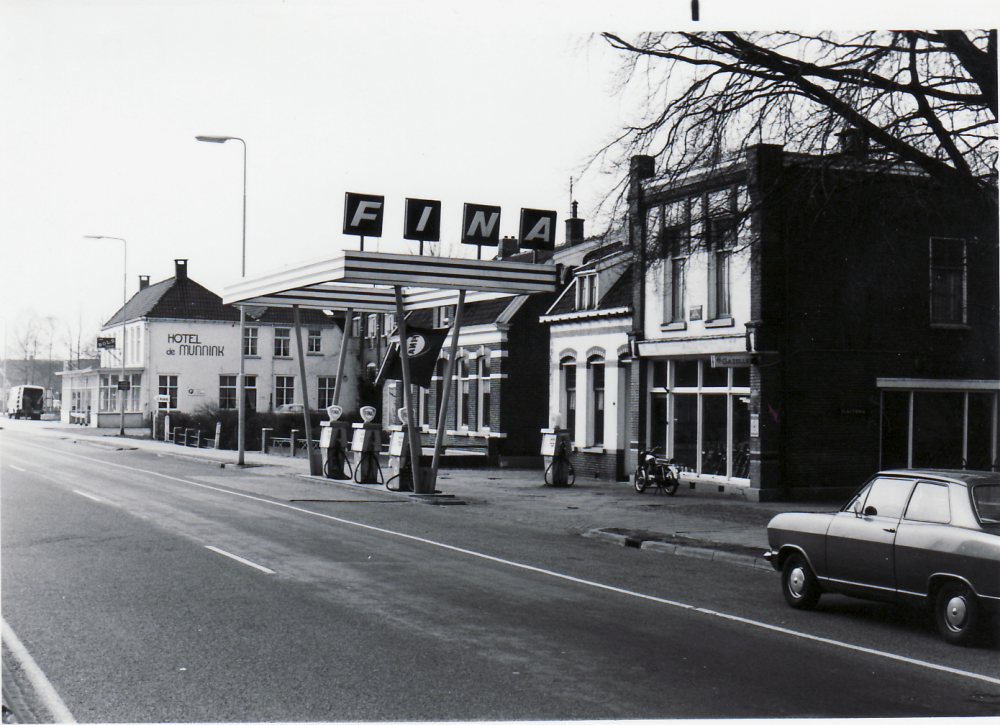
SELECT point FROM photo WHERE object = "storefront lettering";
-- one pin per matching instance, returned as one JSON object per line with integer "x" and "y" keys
{"x": 206, "y": 350}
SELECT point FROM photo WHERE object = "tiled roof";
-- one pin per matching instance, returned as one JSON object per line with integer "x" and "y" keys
{"x": 482, "y": 312}
{"x": 187, "y": 300}
{"x": 617, "y": 297}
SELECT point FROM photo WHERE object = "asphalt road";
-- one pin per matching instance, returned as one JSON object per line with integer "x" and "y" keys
{"x": 119, "y": 578}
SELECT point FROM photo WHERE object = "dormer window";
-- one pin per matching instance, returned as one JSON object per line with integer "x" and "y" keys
{"x": 586, "y": 292}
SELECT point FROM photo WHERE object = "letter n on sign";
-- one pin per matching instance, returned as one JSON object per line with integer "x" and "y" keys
{"x": 481, "y": 225}
{"x": 538, "y": 229}
{"x": 363, "y": 214}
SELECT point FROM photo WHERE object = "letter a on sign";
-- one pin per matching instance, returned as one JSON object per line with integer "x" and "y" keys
{"x": 481, "y": 225}
{"x": 363, "y": 214}
{"x": 538, "y": 229}
{"x": 422, "y": 222}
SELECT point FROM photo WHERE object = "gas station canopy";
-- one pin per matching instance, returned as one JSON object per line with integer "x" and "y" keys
{"x": 366, "y": 281}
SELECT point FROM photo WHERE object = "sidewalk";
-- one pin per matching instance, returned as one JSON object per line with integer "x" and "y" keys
{"x": 729, "y": 529}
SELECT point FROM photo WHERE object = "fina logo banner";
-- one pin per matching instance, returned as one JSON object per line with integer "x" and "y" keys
{"x": 363, "y": 215}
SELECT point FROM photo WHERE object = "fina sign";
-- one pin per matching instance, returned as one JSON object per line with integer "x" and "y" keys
{"x": 363, "y": 215}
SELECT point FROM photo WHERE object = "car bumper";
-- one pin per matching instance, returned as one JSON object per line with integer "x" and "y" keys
{"x": 772, "y": 558}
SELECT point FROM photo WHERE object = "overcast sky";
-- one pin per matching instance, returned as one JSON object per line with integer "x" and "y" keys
{"x": 495, "y": 103}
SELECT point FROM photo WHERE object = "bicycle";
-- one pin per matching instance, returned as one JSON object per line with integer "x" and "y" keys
{"x": 664, "y": 473}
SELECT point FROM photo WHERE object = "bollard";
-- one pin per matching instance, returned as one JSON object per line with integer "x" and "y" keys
{"x": 265, "y": 435}
{"x": 218, "y": 434}
{"x": 292, "y": 440}
{"x": 167, "y": 437}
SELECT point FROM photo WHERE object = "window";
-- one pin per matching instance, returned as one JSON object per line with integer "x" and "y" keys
{"x": 356, "y": 326}
{"x": 569, "y": 397}
{"x": 597, "y": 389}
{"x": 282, "y": 342}
{"x": 227, "y": 392}
{"x": 168, "y": 386}
{"x": 371, "y": 330}
{"x": 586, "y": 292}
{"x": 284, "y": 390}
{"x": 250, "y": 391}
{"x": 720, "y": 230}
{"x": 327, "y": 386}
{"x": 986, "y": 498}
{"x": 388, "y": 324}
{"x": 483, "y": 407}
{"x": 674, "y": 248}
{"x": 887, "y": 497}
{"x": 948, "y": 280}
{"x": 110, "y": 397}
{"x": 463, "y": 392}
{"x": 315, "y": 341}
{"x": 445, "y": 315}
{"x": 929, "y": 502}
{"x": 250, "y": 341}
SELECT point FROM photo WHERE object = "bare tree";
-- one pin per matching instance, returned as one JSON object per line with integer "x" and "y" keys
{"x": 924, "y": 98}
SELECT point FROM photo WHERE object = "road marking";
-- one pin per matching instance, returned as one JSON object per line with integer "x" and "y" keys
{"x": 241, "y": 560}
{"x": 557, "y": 575}
{"x": 50, "y": 698}
{"x": 93, "y": 498}
{"x": 16, "y": 468}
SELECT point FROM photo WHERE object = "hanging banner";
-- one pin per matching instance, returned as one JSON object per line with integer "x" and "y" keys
{"x": 538, "y": 229}
{"x": 363, "y": 214}
{"x": 422, "y": 347}
{"x": 422, "y": 220}
{"x": 481, "y": 225}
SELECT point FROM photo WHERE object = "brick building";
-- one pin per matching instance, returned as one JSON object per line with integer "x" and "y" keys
{"x": 804, "y": 321}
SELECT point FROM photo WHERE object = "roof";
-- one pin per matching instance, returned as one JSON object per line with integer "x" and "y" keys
{"x": 185, "y": 299}
{"x": 482, "y": 312}
{"x": 618, "y": 297}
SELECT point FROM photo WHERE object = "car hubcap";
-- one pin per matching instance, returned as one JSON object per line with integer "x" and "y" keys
{"x": 797, "y": 581}
{"x": 956, "y": 612}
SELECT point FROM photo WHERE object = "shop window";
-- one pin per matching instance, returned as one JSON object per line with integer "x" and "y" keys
{"x": 659, "y": 420}
{"x": 168, "y": 386}
{"x": 250, "y": 341}
{"x": 282, "y": 342}
{"x": 686, "y": 429}
{"x": 895, "y": 429}
{"x": 483, "y": 407}
{"x": 250, "y": 391}
{"x": 327, "y": 385}
{"x": 948, "y": 280}
{"x": 284, "y": 390}
{"x": 714, "y": 377}
{"x": 715, "y": 441}
{"x": 227, "y": 392}
{"x": 979, "y": 455}
{"x": 937, "y": 430}
{"x": 660, "y": 370}
{"x": 596, "y": 369}
{"x": 314, "y": 342}
{"x": 686, "y": 374}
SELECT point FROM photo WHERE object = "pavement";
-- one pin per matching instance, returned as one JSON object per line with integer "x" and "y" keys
{"x": 724, "y": 528}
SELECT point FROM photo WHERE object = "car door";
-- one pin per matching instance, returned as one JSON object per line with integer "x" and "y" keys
{"x": 860, "y": 540}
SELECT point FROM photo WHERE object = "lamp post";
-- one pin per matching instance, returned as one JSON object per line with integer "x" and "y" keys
{"x": 121, "y": 392}
{"x": 241, "y": 380}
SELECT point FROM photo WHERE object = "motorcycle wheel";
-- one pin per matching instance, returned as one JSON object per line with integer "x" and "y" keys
{"x": 641, "y": 479}
{"x": 670, "y": 484}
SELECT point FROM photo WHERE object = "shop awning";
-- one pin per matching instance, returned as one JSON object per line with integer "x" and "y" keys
{"x": 367, "y": 281}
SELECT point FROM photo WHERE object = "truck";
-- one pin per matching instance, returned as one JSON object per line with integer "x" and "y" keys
{"x": 26, "y": 401}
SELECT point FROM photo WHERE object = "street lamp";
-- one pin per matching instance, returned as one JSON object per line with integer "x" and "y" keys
{"x": 121, "y": 392}
{"x": 241, "y": 380}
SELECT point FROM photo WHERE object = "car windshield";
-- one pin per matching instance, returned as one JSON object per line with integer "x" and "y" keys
{"x": 986, "y": 499}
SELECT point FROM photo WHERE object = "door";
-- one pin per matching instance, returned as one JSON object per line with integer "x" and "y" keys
{"x": 860, "y": 541}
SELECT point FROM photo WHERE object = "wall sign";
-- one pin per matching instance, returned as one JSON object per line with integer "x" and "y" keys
{"x": 538, "y": 229}
{"x": 734, "y": 360}
{"x": 363, "y": 214}
{"x": 106, "y": 343}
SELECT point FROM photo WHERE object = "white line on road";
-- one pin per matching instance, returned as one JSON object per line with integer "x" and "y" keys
{"x": 241, "y": 560}
{"x": 565, "y": 577}
{"x": 16, "y": 468}
{"x": 50, "y": 698}
{"x": 94, "y": 498}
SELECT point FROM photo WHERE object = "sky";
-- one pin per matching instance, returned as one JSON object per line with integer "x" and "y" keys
{"x": 498, "y": 103}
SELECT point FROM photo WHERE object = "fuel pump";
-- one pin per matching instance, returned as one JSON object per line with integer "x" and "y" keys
{"x": 365, "y": 445}
{"x": 556, "y": 448}
{"x": 334, "y": 438}
{"x": 399, "y": 454}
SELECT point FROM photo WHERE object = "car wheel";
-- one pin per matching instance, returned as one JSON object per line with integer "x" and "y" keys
{"x": 798, "y": 583}
{"x": 956, "y": 610}
{"x": 641, "y": 480}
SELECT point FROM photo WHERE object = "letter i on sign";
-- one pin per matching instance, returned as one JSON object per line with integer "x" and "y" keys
{"x": 422, "y": 221}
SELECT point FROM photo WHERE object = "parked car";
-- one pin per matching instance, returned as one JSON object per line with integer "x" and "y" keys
{"x": 289, "y": 408}
{"x": 922, "y": 537}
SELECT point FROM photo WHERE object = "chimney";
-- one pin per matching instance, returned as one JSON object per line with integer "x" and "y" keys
{"x": 143, "y": 281}
{"x": 181, "y": 270}
{"x": 574, "y": 228}
{"x": 508, "y": 247}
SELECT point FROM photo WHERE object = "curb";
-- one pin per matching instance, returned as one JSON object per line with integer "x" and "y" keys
{"x": 693, "y": 551}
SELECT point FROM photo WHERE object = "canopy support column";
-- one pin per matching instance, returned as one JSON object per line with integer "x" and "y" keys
{"x": 448, "y": 369}
{"x": 344, "y": 340}
{"x": 414, "y": 431}
{"x": 315, "y": 461}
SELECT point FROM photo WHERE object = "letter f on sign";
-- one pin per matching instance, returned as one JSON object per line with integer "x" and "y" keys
{"x": 362, "y": 212}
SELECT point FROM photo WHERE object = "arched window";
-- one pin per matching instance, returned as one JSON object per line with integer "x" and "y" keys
{"x": 567, "y": 374}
